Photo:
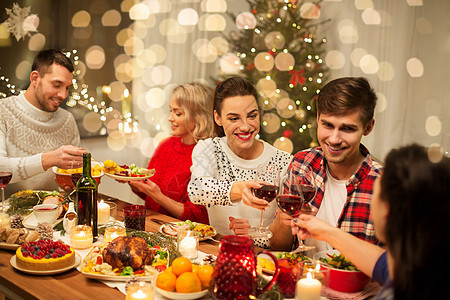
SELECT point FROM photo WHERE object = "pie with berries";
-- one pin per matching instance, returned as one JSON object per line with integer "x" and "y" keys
{"x": 45, "y": 255}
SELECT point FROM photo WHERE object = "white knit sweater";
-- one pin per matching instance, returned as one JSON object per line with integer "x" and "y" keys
{"x": 25, "y": 133}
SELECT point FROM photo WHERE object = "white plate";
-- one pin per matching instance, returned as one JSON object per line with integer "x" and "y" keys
{"x": 129, "y": 178}
{"x": 34, "y": 272}
{"x": 6, "y": 246}
{"x": 114, "y": 278}
{"x": 180, "y": 296}
{"x": 201, "y": 238}
{"x": 31, "y": 222}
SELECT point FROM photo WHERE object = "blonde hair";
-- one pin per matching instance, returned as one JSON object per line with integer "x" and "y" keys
{"x": 196, "y": 100}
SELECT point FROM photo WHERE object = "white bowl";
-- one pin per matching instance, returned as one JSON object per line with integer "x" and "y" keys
{"x": 46, "y": 213}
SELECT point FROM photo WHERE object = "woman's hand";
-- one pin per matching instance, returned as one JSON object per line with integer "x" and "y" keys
{"x": 147, "y": 187}
{"x": 247, "y": 195}
{"x": 239, "y": 226}
{"x": 311, "y": 227}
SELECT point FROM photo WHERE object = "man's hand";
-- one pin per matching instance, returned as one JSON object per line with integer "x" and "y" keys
{"x": 65, "y": 157}
{"x": 239, "y": 226}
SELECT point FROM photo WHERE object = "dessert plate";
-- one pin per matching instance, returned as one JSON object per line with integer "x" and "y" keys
{"x": 34, "y": 272}
{"x": 6, "y": 246}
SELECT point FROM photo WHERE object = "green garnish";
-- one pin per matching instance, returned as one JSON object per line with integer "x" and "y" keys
{"x": 127, "y": 271}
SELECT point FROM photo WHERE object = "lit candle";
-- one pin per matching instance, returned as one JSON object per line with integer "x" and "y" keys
{"x": 140, "y": 291}
{"x": 81, "y": 237}
{"x": 188, "y": 247}
{"x": 308, "y": 288}
{"x": 4, "y": 220}
{"x": 114, "y": 231}
{"x": 103, "y": 212}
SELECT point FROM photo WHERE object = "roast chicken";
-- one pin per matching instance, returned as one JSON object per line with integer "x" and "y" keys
{"x": 128, "y": 251}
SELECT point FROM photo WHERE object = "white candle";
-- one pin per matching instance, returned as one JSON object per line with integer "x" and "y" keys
{"x": 103, "y": 212}
{"x": 81, "y": 237}
{"x": 308, "y": 288}
{"x": 4, "y": 220}
{"x": 140, "y": 291}
{"x": 188, "y": 247}
{"x": 114, "y": 231}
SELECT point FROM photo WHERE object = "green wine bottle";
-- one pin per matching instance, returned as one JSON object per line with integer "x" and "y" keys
{"x": 87, "y": 197}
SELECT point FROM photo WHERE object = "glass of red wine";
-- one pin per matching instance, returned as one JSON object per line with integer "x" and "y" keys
{"x": 270, "y": 176}
{"x": 5, "y": 178}
{"x": 295, "y": 191}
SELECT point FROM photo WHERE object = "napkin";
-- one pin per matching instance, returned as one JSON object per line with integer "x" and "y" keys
{"x": 371, "y": 289}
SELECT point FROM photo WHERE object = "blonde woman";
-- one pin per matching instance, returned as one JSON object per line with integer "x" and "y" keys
{"x": 191, "y": 120}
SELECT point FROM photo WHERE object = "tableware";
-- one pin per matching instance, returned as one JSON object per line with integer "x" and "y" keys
{"x": 134, "y": 217}
{"x": 114, "y": 231}
{"x": 30, "y": 221}
{"x": 114, "y": 278}
{"x": 287, "y": 277}
{"x": 167, "y": 230}
{"x": 140, "y": 291}
{"x": 130, "y": 178}
{"x": 343, "y": 280}
{"x": 307, "y": 286}
{"x": 180, "y": 296}
{"x": 270, "y": 175}
{"x": 295, "y": 191}
{"x": 234, "y": 274}
{"x": 5, "y": 178}
{"x": 65, "y": 180}
{"x": 51, "y": 272}
{"x": 187, "y": 243}
{"x": 81, "y": 237}
{"x": 6, "y": 246}
{"x": 46, "y": 213}
{"x": 5, "y": 221}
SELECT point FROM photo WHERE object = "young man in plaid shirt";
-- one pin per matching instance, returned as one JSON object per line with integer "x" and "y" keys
{"x": 344, "y": 169}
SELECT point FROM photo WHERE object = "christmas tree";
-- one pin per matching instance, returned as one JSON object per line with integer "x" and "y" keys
{"x": 277, "y": 49}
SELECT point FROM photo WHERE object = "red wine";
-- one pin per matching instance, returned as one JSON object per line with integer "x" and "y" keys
{"x": 5, "y": 178}
{"x": 87, "y": 197}
{"x": 75, "y": 177}
{"x": 308, "y": 191}
{"x": 290, "y": 204}
{"x": 267, "y": 192}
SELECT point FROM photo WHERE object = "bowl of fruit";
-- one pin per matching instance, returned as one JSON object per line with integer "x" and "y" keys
{"x": 344, "y": 275}
{"x": 68, "y": 178}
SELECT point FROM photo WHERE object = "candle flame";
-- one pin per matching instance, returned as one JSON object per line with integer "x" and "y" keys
{"x": 309, "y": 275}
{"x": 317, "y": 267}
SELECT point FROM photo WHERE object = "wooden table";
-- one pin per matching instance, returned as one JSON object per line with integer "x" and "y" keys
{"x": 72, "y": 284}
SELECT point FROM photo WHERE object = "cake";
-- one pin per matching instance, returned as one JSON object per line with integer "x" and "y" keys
{"x": 45, "y": 255}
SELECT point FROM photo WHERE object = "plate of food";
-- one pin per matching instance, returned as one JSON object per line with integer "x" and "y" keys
{"x": 45, "y": 272}
{"x": 268, "y": 267}
{"x": 22, "y": 202}
{"x": 173, "y": 228}
{"x": 125, "y": 172}
{"x": 107, "y": 262}
{"x": 31, "y": 222}
{"x": 11, "y": 239}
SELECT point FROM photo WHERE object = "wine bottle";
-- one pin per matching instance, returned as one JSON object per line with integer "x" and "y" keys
{"x": 87, "y": 197}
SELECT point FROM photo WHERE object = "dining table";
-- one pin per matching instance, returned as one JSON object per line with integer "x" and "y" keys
{"x": 73, "y": 284}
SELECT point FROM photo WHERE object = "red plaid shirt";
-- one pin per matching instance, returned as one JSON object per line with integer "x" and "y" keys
{"x": 355, "y": 218}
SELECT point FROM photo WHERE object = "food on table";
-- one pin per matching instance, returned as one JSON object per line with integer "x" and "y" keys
{"x": 96, "y": 170}
{"x": 202, "y": 229}
{"x": 57, "y": 199}
{"x": 339, "y": 261}
{"x": 265, "y": 264}
{"x": 45, "y": 255}
{"x": 111, "y": 167}
{"x": 126, "y": 251}
{"x": 23, "y": 201}
{"x": 291, "y": 256}
{"x": 160, "y": 240}
{"x": 17, "y": 235}
{"x": 184, "y": 277}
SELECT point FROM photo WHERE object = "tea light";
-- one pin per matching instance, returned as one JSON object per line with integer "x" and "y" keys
{"x": 114, "y": 231}
{"x": 4, "y": 220}
{"x": 103, "y": 212}
{"x": 308, "y": 288}
{"x": 188, "y": 243}
{"x": 140, "y": 291}
{"x": 81, "y": 237}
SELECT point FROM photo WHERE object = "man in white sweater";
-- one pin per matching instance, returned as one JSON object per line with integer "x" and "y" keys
{"x": 35, "y": 134}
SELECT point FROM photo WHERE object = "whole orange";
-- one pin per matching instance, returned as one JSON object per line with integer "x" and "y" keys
{"x": 181, "y": 265}
{"x": 188, "y": 282}
{"x": 195, "y": 268}
{"x": 204, "y": 274}
{"x": 166, "y": 281}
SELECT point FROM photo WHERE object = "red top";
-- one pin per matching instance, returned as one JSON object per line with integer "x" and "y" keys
{"x": 172, "y": 161}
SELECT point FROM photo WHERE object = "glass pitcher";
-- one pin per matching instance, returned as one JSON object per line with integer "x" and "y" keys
{"x": 234, "y": 274}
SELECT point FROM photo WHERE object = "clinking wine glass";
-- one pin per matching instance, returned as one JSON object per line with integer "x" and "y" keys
{"x": 268, "y": 191}
{"x": 295, "y": 191}
{"x": 5, "y": 178}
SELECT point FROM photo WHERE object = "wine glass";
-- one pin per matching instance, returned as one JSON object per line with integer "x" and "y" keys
{"x": 295, "y": 191}
{"x": 268, "y": 191}
{"x": 5, "y": 178}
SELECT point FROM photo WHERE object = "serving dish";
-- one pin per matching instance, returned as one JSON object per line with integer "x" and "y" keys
{"x": 167, "y": 230}
{"x": 31, "y": 222}
{"x": 34, "y": 272}
{"x": 180, "y": 296}
{"x": 6, "y": 246}
{"x": 130, "y": 178}
{"x": 113, "y": 278}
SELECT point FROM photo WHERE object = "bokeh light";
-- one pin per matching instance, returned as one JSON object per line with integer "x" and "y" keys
{"x": 155, "y": 97}
{"x": 117, "y": 90}
{"x": 415, "y": 2}
{"x": 369, "y": 64}
{"x": 266, "y": 87}
{"x": 363, "y": 4}
{"x": 284, "y": 61}
{"x": 36, "y": 42}
{"x": 23, "y": 70}
{"x": 381, "y": 103}
{"x": 356, "y": 56}
{"x": 116, "y": 141}
{"x": 230, "y": 63}
{"x": 371, "y": 17}
{"x": 123, "y": 35}
{"x": 220, "y": 44}
{"x": 274, "y": 39}
{"x": 133, "y": 46}
{"x": 433, "y": 125}
{"x": 95, "y": 57}
{"x": 81, "y": 19}
{"x": 219, "y": 6}
{"x": 270, "y": 122}
{"x": 188, "y": 16}
{"x": 212, "y": 22}
{"x": 92, "y": 122}
{"x": 284, "y": 144}
{"x": 414, "y": 66}
{"x": 386, "y": 71}
{"x": 309, "y": 11}
{"x": 264, "y": 61}
{"x": 335, "y": 59}
{"x": 161, "y": 74}
{"x": 111, "y": 18}
{"x": 348, "y": 34}
{"x": 139, "y": 11}
{"x": 245, "y": 20}
{"x": 286, "y": 108}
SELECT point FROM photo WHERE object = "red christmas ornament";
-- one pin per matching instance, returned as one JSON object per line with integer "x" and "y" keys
{"x": 250, "y": 66}
{"x": 273, "y": 53}
{"x": 297, "y": 77}
{"x": 288, "y": 133}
